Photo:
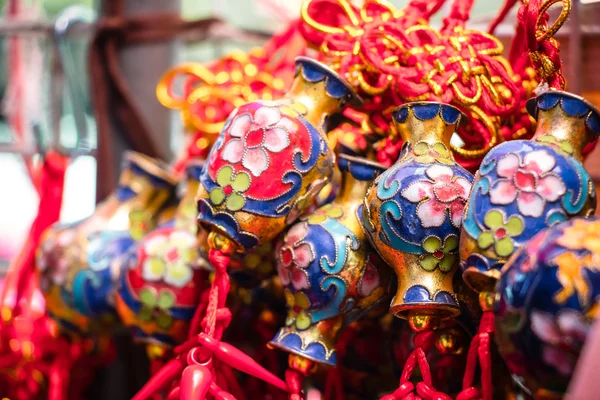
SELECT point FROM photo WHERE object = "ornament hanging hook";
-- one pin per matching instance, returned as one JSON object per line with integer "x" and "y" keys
{"x": 545, "y": 33}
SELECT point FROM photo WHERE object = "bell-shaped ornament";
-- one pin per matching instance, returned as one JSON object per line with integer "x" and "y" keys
{"x": 546, "y": 301}
{"x": 412, "y": 212}
{"x": 79, "y": 263}
{"x": 272, "y": 158}
{"x": 162, "y": 279}
{"x": 330, "y": 273}
{"x": 524, "y": 186}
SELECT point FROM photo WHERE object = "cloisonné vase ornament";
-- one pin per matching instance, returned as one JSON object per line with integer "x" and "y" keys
{"x": 546, "y": 301}
{"x": 162, "y": 279}
{"x": 79, "y": 263}
{"x": 524, "y": 186}
{"x": 272, "y": 158}
{"x": 329, "y": 271}
{"x": 413, "y": 211}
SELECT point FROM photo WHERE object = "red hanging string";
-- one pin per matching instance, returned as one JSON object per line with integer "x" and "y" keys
{"x": 52, "y": 178}
{"x": 544, "y": 51}
{"x": 294, "y": 380}
{"x": 479, "y": 350}
{"x": 501, "y": 16}
{"x": 424, "y": 390}
{"x": 334, "y": 386}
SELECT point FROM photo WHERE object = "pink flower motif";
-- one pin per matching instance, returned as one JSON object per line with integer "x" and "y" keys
{"x": 294, "y": 256}
{"x": 444, "y": 193}
{"x": 369, "y": 280}
{"x": 529, "y": 182}
{"x": 563, "y": 338}
{"x": 266, "y": 132}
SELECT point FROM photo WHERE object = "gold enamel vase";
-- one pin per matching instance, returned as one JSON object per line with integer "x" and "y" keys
{"x": 525, "y": 186}
{"x": 412, "y": 212}
{"x": 272, "y": 158}
{"x": 79, "y": 263}
{"x": 329, "y": 271}
{"x": 162, "y": 279}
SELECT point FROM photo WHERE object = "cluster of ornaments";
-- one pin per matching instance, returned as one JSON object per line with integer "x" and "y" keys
{"x": 517, "y": 228}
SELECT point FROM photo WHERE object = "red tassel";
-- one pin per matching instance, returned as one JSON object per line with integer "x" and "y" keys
{"x": 163, "y": 378}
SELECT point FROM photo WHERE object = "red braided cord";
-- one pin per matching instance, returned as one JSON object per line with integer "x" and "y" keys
{"x": 479, "y": 350}
{"x": 379, "y": 51}
{"x": 508, "y": 5}
{"x": 527, "y": 17}
{"x": 422, "y": 341}
{"x": 294, "y": 380}
{"x": 334, "y": 386}
{"x": 458, "y": 16}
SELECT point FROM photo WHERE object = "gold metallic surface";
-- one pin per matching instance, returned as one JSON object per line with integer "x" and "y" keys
{"x": 557, "y": 123}
{"x": 486, "y": 301}
{"x": 420, "y": 322}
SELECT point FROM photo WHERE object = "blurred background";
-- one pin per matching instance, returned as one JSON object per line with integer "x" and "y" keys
{"x": 54, "y": 98}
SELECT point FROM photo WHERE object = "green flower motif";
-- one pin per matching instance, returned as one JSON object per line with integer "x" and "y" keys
{"x": 500, "y": 233}
{"x": 139, "y": 223}
{"x": 428, "y": 153}
{"x": 230, "y": 188}
{"x": 156, "y": 305}
{"x": 561, "y": 145}
{"x": 440, "y": 254}
{"x": 324, "y": 213}
{"x": 298, "y": 306}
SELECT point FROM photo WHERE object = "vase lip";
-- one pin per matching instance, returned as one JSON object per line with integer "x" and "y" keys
{"x": 193, "y": 165}
{"x": 459, "y": 117}
{"x": 360, "y": 168}
{"x": 532, "y": 103}
{"x": 353, "y": 98}
{"x": 362, "y": 161}
{"x": 151, "y": 165}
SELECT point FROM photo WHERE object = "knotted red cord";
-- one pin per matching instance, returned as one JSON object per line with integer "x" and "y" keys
{"x": 294, "y": 380}
{"x": 393, "y": 57}
{"x": 544, "y": 50}
{"x": 424, "y": 390}
{"x": 479, "y": 350}
{"x": 334, "y": 386}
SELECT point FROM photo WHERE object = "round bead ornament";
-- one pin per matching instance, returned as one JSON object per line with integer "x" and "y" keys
{"x": 545, "y": 303}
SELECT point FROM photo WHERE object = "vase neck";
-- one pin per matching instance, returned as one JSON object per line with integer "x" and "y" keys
{"x": 144, "y": 183}
{"x": 320, "y": 90}
{"x": 565, "y": 120}
{"x": 426, "y": 122}
{"x": 186, "y": 213}
{"x": 357, "y": 175}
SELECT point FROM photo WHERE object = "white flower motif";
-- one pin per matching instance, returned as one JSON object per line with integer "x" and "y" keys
{"x": 255, "y": 137}
{"x": 170, "y": 257}
{"x": 529, "y": 182}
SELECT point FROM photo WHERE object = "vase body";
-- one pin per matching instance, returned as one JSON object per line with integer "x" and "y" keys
{"x": 412, "y": 212}
{"x": 162, "y": 279}
{"x": 271, "y": 159}
{"x": 524, "y": 186}
{"x": 546, "y": 302}
{"x": 330, "y": 273}
{"x": 78, "y": 263}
